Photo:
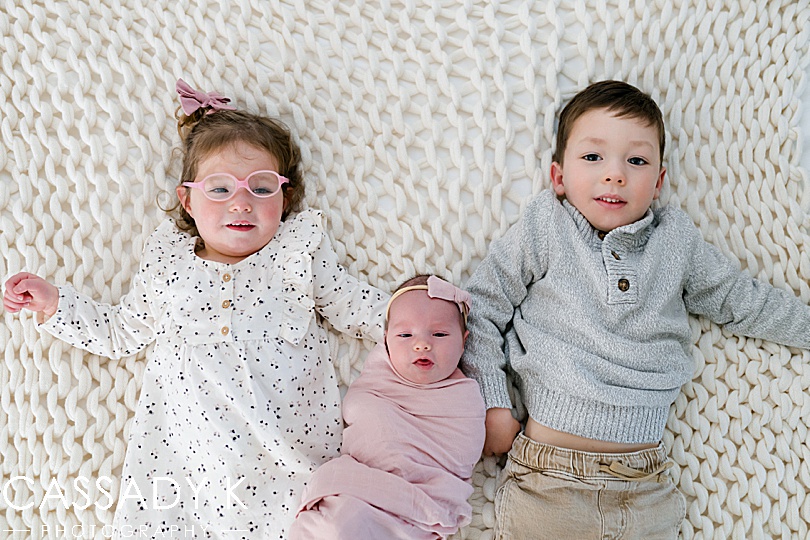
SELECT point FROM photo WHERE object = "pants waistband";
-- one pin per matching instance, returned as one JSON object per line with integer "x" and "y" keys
{"x": 642, "y": 465}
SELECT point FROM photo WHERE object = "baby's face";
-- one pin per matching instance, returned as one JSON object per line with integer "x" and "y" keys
{"x": 611, "y": 170}
{"x": 424, "y": 337}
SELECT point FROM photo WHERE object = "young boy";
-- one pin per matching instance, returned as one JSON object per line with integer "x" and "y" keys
{"x": 586, "y": 300}
{"x": 415, "y": 430}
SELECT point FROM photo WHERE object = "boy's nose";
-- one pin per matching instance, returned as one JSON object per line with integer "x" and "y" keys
{"x": 615, "y": 175}
{"x": 421, "y": 345}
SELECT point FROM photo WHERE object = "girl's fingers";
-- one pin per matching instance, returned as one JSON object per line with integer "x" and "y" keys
{"x": 12, "y": 306}
{"x": 28, "y": 291}
{"x": 11, "y": 288}
{"x": 15, "y": 296}
{"x": 13, "y": 300}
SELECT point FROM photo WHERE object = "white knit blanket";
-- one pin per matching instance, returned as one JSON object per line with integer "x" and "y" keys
{"x": 426, "y": 126}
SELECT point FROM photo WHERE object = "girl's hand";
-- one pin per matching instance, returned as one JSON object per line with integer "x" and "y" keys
{"x": 502, "y": 428}
{"x": 29, "y": 291}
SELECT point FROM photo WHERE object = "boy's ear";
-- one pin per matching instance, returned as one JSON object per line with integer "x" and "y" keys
{"x": 660, "y": 183}
{"x": 185, "y": 201}
{"x": 466, "y": 333}
{"x": 557, "y": 178}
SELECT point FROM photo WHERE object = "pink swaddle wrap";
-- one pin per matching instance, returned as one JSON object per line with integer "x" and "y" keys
{"x": 408, "y": 455}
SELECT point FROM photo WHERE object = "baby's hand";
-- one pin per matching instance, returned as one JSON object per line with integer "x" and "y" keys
{"x": 502, "y": 428}
{"x": 29, "y": 291}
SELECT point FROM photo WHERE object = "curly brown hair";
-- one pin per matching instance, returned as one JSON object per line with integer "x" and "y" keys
{"x": 204, "y": 134}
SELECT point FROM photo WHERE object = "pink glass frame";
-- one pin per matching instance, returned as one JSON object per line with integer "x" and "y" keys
{"x": 239, "y": 184}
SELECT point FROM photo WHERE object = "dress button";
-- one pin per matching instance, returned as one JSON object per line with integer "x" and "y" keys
{"x": 624, "y": 285}
{"x": 225, "y": 330}
{"x": 226, "y": 278}
{"x": 226, "y": 304}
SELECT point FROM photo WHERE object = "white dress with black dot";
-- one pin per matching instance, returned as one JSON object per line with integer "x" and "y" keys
{"x": 240, "y": 402}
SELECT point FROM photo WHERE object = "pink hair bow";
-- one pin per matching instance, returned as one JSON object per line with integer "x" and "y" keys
{"x": 439, "y": 288}
{"x": 191, "y": 99}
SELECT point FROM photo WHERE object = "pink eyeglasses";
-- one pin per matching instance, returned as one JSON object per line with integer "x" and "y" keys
{"x": 223, "y": 186}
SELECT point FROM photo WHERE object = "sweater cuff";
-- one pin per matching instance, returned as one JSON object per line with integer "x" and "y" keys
{"x": 495, "y": 391}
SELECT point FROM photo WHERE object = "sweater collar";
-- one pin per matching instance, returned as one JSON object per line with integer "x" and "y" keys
{"x": 631, "y": 237}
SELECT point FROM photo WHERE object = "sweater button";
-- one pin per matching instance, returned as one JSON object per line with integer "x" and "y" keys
{"x": 601, "y": 235}
{"x": 623, "y": 285}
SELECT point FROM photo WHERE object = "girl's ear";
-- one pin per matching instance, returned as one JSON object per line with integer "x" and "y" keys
{"x": 183, "y": 194}
{"x": 557, "y": 178}
{"x": 466, "y": 333}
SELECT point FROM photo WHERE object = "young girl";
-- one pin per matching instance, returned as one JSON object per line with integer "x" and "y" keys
{"x": 415, "y": 430}
{"x": 240, "y": 402}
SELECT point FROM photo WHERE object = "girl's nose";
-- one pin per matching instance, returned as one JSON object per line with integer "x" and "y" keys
{"x": 241, "y": 201}
{"x": 421, "y": 345}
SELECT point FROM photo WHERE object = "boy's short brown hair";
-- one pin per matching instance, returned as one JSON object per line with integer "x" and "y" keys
{"x": 615, "y": 96}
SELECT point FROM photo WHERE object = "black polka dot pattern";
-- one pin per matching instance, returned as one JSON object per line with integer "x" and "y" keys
{"x": 239, "y": 402}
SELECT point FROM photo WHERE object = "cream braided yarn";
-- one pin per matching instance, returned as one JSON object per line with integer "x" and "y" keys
{"x": 426, "y": 127}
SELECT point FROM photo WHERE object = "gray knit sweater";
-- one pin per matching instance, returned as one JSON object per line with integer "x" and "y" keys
{"x": 595, "y": 327}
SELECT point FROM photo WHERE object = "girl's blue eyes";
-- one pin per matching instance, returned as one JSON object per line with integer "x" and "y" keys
{"x": 257, "y": 191}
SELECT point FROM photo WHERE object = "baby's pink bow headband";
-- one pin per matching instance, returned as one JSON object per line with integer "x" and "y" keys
{"x": 439, "y": 289}
{"x": 191, "y": 99}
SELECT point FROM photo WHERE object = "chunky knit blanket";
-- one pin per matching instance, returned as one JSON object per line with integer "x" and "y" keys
{"x": 426, "y": 126}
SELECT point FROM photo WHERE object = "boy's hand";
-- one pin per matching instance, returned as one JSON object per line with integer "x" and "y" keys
{"x": 502, "y": 428}
{"x": 29, "y": 291}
